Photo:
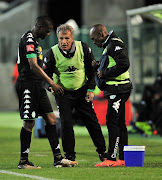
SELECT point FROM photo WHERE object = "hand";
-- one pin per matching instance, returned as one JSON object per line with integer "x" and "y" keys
{"x": 56, "y": 89}
{"x": 95, "y": 63}
{"x": 100, "y": 74}
{"x": 89, "y": 96}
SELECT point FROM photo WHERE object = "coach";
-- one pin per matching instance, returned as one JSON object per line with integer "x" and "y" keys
{"x": 71, "y": 63}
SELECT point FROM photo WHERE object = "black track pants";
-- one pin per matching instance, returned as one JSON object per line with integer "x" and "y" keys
{"x": 115, "y": 121}
{"x": 66, "y": 103}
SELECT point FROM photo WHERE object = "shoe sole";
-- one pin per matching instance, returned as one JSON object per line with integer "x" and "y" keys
{"x": 106, "y": 164}
{"x": 112, "y": 165}
{"x": 58, "y": 166}
{"x": 28, "y": 167}
{"x": 64, "y": 165}
{"x": 69, "y": 163}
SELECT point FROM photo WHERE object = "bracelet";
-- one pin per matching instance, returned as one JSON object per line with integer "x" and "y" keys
{"x": 90, "y": 90}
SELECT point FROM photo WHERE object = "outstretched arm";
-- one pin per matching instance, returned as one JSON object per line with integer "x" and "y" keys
{"x": 40, "y": 73}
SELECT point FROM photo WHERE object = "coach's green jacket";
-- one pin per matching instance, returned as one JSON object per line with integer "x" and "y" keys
{"x": 71, "y": 70}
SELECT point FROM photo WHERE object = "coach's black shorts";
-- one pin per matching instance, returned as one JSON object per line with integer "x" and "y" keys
{"x": 33, "y": 100}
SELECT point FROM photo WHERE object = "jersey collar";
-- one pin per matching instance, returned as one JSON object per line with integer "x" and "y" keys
{"x": 110, "y": 35}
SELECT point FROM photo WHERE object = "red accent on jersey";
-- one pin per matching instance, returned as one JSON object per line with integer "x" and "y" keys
{"x": 30, "y": 47}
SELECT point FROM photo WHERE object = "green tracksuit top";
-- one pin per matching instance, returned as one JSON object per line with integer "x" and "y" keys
{"x": 71, "y": 71}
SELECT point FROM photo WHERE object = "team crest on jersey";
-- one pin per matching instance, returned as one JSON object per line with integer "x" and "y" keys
{"x": 39, "y": 50}
{"x": 112, "y": 96}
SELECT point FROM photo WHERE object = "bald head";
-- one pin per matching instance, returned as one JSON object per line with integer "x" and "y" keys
{"x": 97, "y": 28}
{"x": 98, "y": 34}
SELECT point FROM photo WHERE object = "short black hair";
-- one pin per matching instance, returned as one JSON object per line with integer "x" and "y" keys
{"x": 44, "y": 21}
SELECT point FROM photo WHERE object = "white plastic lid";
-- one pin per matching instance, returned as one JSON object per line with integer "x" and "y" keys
{"x": 134, "y": 148}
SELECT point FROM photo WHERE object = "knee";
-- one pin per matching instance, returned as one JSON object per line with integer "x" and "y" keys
{"x": 28, "y": 125}
{"x": 111, "y": 123}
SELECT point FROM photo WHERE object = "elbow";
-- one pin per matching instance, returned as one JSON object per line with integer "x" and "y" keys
{"x": 124, "y": 69}
{"x": 33, "y": 67}
{"x": 127, "y": 67}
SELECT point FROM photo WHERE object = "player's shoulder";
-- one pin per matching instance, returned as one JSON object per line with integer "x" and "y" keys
{"x": 86, "y": 47}
{"x": 116, "y": 45}
{"x": 84, "y": 44}
{"x": 28, "y": 38}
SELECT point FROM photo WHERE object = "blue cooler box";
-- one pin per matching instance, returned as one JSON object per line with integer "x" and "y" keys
{"x": 134, "y": 156}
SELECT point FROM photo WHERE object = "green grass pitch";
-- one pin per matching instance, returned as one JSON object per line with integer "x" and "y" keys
{"x": 40, "y": 154}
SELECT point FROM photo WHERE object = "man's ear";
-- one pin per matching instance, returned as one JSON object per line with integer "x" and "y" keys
{"x": 40, "y": 26}
{"x": 100, "y": 34}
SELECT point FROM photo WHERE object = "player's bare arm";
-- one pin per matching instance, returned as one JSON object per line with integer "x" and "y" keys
{"x": 40, "y": 73}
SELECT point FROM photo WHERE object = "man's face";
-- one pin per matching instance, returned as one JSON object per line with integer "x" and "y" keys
{"x": 65, "y": 40}
{"x": 96, "y": 38}
{"x": 44, "y": 31}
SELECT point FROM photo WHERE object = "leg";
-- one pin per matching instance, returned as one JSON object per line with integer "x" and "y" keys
{"x": 91, "y": 122}
{"x": 122, "y": 127}
{"x": 28, "y": 93}
{"x": 51, "y": 133}
{"x": 117, "y": 130}
{"x": 45, "y": 110}
{"x": 68, "y": 139}
{"x": 123, "y": 134}
{"x": 112, "y": 121}
{"x": 25, "y": 138}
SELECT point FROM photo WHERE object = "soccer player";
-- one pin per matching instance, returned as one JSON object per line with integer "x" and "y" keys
{"x": 33, "y": 100}
{"x": 70, "y": 61}
{"x": 113, "y": 78}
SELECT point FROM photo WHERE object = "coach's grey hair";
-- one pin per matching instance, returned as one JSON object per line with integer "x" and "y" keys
{"x": 64, "y": 28}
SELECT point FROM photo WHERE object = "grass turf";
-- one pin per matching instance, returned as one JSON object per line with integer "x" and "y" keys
{"x": 40, "y": 154}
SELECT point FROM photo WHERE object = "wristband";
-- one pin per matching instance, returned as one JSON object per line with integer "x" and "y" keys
{"x": 90, "y": 90}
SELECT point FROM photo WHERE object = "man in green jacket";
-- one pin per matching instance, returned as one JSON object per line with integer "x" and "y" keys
{"x": 113, "y": 78}
{"x": 71, "y": 63}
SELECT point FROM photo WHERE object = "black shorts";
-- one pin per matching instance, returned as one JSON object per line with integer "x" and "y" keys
{"x": 33, "y": 100}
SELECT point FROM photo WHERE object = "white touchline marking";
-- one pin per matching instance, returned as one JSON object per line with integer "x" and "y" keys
{"x": 40, "y": 155}
{"x": 25, "y": 175}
